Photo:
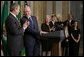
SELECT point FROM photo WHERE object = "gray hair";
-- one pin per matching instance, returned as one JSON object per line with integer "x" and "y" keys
{"x": 13, "y": 6}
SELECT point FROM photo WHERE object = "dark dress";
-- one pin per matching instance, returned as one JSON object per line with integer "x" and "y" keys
{"x": 74, "y": 47}
{"x": 46, "y": 43}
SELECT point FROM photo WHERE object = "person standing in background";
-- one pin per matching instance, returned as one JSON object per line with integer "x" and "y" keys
{"x": 70, "y": 20}
{"x": 52, "y": 22}
{"x": 66, "y": 40}
{"x": 46, "y": 43}
{"x": 74, "y": 40}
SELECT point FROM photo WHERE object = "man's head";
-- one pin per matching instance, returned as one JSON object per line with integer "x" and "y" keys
{"x": 27, "y": 10}
{"x": 15, "y": 8}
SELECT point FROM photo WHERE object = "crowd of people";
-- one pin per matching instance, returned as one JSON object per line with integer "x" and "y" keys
{"x": 26, "y": 33}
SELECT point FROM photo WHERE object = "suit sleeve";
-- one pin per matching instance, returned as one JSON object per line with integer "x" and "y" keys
{"x": 14, "y": 28}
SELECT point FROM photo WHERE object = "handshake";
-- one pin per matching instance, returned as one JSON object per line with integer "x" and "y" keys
{"x": 26, "y": 24}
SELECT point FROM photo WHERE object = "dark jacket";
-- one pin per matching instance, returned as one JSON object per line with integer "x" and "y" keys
{"x": 14, "y": 34}
{"x": 33, "y": 31}
{"x": 31, "y": 36}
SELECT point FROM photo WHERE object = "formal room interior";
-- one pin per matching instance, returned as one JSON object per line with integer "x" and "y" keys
{"x": 43, "y": 10}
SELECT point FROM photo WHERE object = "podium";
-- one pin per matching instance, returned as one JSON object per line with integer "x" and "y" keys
{"x": 56, "y": 37}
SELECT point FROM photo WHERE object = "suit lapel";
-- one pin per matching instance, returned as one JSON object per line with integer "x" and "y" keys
{"x": 16, "y": 20}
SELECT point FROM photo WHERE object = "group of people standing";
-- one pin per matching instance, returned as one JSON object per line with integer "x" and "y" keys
{"x": 71, "y": 31}
{"x": 72, "y": 37}
{"x": 26, "y": 33}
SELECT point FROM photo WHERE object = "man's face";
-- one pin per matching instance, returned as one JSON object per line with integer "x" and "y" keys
{"x": 17, "y": 10}
{"x": 27, "y": 11}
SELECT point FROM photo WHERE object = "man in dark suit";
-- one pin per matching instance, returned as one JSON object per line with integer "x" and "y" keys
{"x": 31, "y": 41}
{"x": 14, "y": 31}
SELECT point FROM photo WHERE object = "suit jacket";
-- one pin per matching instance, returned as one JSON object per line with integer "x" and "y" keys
{"x": 31, "y": 31}
{"x": 14, "y": 33}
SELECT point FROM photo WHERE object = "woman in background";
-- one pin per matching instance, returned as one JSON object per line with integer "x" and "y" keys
{"x": 74, "y": 40}
{"x": 52, "y": 22}
{"x": 46, "y": 43}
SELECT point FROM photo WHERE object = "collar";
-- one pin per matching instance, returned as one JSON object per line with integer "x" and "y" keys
{"x": 13, "y": 14}
{"x": 28, "y": 17}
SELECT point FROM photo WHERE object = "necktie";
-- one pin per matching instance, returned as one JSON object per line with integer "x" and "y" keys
{"x": 18, "y": 21}
{"x": 31, "y": 22}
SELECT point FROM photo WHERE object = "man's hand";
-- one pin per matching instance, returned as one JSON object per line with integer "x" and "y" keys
{"x": 26, "y": 24}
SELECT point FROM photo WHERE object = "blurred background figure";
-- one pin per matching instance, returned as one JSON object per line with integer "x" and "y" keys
{"x": 70, "y": 20}
{"x": 52, "y": 22}
{"x": 74, "y": 40}
{"x": 59, "y": 24}
{"x": 46, "y": 43}
{"x": 65, "y": 43}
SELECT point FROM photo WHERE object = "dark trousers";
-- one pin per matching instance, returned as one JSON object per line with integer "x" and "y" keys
{"x": 66, "y": 49}
{"x": 65, "y": 46}
{"x": 14, "y": 51}
{"x": 32, "y": 47}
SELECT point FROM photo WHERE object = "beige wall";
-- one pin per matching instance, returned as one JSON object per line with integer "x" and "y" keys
{"x": 65, "y": 9}
{"x": 41, "y": 8}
